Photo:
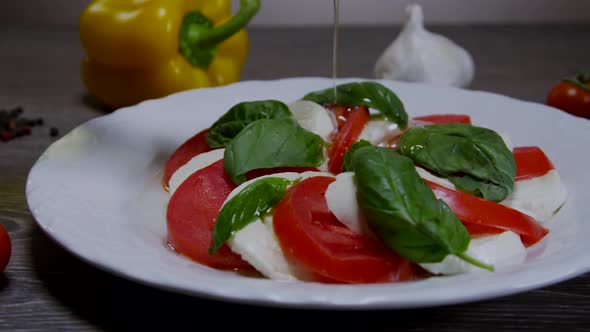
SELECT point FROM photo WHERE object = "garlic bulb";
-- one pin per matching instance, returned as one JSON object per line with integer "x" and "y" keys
{"x": 418, "y": 55}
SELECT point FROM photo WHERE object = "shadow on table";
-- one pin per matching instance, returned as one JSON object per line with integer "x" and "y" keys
{"x": 94, "y": 103}
{"x": 110, "y": 302}
{"x": 3, "y": 281}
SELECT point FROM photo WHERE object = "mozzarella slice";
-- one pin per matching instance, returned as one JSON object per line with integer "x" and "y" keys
{"x": 313, "y": 117}
{"x": 426, "y": 175}
{"x": 196, "y": 163}
{"x": 342, "y": 202}
{"x": 379, "y": 131}
{"x": 539, "y": 197}
{"x": 316, "y": 119}
{"x": 498, "y": 250}
{"x": 257, "y": 243}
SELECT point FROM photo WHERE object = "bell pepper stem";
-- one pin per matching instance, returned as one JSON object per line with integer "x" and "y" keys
{"x": 199, "y": 37}
{"x": 216, "y": 35}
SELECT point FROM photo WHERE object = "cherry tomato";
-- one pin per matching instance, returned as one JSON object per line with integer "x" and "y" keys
{"x": 346, "y": 135}
{"x": 572, "y": 96}
{"x": 474, "y": 210}
{"x": 4, "y": 248}
{"x": 311, "y": 235}
{"x": 192, "y": 147}
{"x": 191, "y": 215}
{"x": 445, "y": 118}
{"x": 531, "y": 162}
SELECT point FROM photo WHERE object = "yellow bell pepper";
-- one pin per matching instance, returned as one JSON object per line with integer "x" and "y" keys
{"x": 144, "y": 49}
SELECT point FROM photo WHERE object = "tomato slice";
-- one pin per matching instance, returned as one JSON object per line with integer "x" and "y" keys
{"x": 474, "y": 210}
{"x": 445, "y": 118}
{"x": 268, "y": 171}
{"x": 4, "y": 248}
{"x": 189, "y": 149}
{"x": 191, "y": 215}
{"x": 346, "y": 135}
{"x": 531, "y": 162}
{"x": 310, "y": 234}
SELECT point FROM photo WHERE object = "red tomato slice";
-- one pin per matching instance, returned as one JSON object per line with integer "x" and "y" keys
{"x": 4, "y": 248}
{"x": 268, "y": 171}
{"x": 310, "y": 234}
{"x": 341, "y": 113}
{"x": 474, "y": 210}
{"x": 191, "y": 215}
{"x": 445, "y": 118}
{"x": 346, "y": 136}
{"x": 531, "y": 162}
{"x": 194, "y": 146}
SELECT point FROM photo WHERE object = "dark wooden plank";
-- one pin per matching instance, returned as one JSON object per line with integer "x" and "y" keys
{"x": 47, "y": 288}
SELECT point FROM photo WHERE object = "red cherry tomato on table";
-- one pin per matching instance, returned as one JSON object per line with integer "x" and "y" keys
{"x": 191, "y": 215}
{"x": 311, "y": 235}
{"x": 572, "y": 96}
{"x": 4, "y": 248}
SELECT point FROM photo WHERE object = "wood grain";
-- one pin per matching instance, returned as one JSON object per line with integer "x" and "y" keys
{"x": 47, "y": 288}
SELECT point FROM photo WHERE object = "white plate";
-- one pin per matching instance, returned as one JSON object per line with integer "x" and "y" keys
{"x": 97, "y": 192}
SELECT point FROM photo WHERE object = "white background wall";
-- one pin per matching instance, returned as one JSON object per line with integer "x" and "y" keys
{"x": 354, "y": 12}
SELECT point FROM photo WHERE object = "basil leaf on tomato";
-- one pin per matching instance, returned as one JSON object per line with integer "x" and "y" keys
{"x": 253, "y": 202}
{"x": 270, "y": 144}
{"x": 403, "y": 211}
{"x": 239, "y": 116}
{"x": 347, "y": 158}
{"x": 474, "y": 159}
{"x": 369, "y": 94}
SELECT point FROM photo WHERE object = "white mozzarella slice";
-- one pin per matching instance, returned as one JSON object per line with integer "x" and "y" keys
{"x": 426, "y": 175}
{"x": 313, "y": 117}
{"x": 498, "y": 250}
{"x": 539, "y": 197}
{"x": 316, "y": 119}
{"x": 342, "y": 202}
{"x": 257, "y": 243}
{"x": 196, "y": 163}
{"x": 379, "y": 131}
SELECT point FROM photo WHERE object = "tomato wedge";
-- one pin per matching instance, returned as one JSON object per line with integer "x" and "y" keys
{"x": 346, "y": 135}
{"x": 192, "y": 147}
{"x": 445, "y": 118}
{"x": 531, "y": 162}
{"x": 310, "y": 234}
{"x": 474, "y": 210}
{"x": 191, "y": 215}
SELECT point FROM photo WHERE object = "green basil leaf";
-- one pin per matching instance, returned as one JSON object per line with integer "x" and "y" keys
{"x": 370, "y": 94}
{"x": 239, "y": 116}
{"x": 403, "y": 211}
{"x": 347, "y": 158}
{"x": 269, "y": 144}
{"x": 475, "y": 159}
{"x": 253, "y": 202}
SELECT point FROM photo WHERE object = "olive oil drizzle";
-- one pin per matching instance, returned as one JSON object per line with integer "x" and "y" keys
{"x": 335, "y": 47}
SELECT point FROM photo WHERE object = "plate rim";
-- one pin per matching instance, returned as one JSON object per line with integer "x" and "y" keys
{"x": 574, "y": 269}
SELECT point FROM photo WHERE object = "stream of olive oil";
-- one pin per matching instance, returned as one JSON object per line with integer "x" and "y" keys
{"x": 335, "y": 47}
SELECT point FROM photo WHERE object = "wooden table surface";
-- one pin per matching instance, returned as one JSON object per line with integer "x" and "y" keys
{"x": 47, "y": 288}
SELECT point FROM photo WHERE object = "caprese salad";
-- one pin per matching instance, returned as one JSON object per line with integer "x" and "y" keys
{"x": 343, "y": 187}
